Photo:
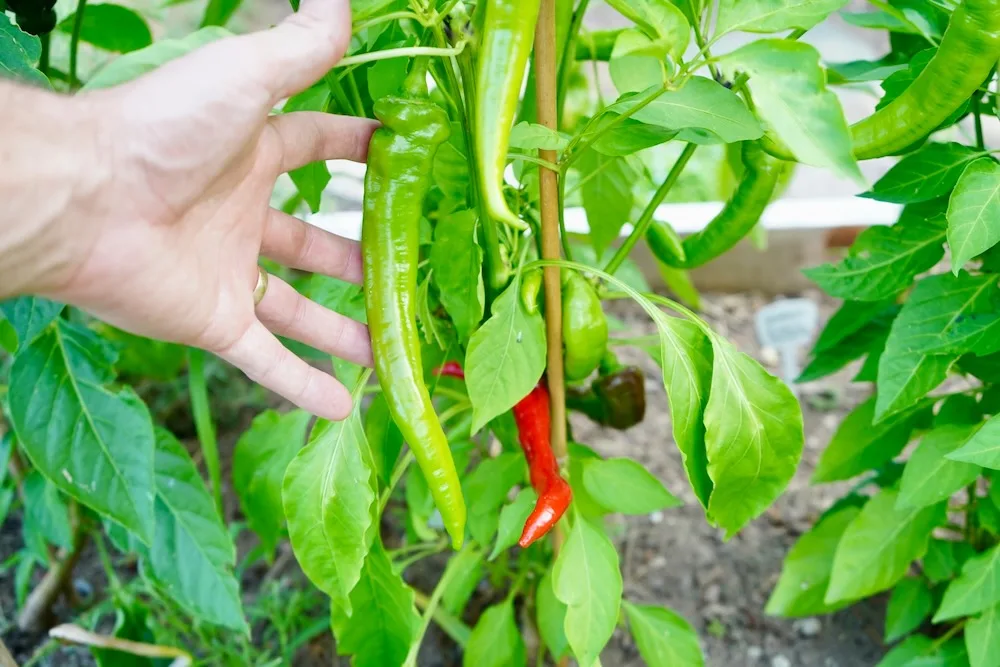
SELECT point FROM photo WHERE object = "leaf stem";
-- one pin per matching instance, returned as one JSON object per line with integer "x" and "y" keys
{"x": 391, "y": 16}
{"x": 405, "y": 52}
{"x": 646, "y": 218}
{"x": 74, "y": 42}
{"x": 431, "y": 607}
{"x": 202, "y": 412}
{"x": 397, "y": 474}
{"x": 977, "y": 115}
{"x": 451, "y": 625}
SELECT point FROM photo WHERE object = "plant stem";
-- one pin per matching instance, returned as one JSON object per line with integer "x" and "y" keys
{"x": 642, "y": 224}
{"x": 452, "y": 626}
{"x": 397, "y": 474}
{"x": 43, "y": 59}
{"x": 431, "y": 607}
{"x": 569, "y": 55}
{"x": 391, "y": 16}
{"x": 977, "y": 114}
{"x": 578, "y": 145}
{"x": 405, "y": 52}
{"x": 202, "y": 411}
{"x": 33, "y": 614}
{"x": 74, "y": 42}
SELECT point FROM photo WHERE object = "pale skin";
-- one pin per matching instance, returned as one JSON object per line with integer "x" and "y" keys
{"x": 147, "y": 205}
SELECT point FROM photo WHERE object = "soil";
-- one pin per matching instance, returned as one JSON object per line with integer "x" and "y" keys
{"x": 671, "y": 558}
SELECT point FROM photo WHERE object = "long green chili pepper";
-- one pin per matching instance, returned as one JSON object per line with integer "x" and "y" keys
{"x": 503, "y": 56}
{"x": 400, "y": 156}
{"x": 968, "y": 52}
{"x": 743, "y": 210}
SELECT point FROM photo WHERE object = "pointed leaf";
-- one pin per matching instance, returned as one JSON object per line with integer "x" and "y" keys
{"x": 791, "y": 96}
{"x": 926, "y": 174}
{"x": 94, "y": 444}
{"x": 505, "y": 358}
{"x": 496, "y": 640}
{"x": 884, "y": 260}
{"x": 660, "y": 20}
{"x": 605, "y": 479}
{"x": 46, "y": 511}
{"x": 384, "y": 621}
{"x": 551, "y": 617}
{"x": 973, "y": 210}
{"x": 260, "y": 458}
{"x": 19, "y": 54}
{"x": 909, "y": 605}
{"x": 878, "y": 547}
{"x": 753, "y": 435}
{"x": 192, "y": 555}
{"x": 457, "y": 262}
{"x": 929, "y": 477}
{"x": 607, "y": 196}
{"x": 587, "y": 580}
{"x": 767, "y": 16}
{"x": 982, "y": 639}
{"x": 329, "y": 495}
{"x": 512, "y": 518}
{"x": 976, "y": 589}
{"x": 664, "y": 637}
{"x": 110, "y": 27}
{"x": 983, "y": 447}
{"x": 30, "y": 316}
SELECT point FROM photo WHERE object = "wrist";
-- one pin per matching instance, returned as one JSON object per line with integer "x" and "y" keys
{"x": 52, "y": 169}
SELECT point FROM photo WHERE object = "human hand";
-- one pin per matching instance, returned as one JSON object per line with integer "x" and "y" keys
{"x": 186, "y": 161}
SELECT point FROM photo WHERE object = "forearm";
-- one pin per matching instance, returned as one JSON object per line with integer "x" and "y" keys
{"x": 48, "y": 178}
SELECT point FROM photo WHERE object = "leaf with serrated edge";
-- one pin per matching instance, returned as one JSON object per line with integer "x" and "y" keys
{"x": 753, "y": 436}
{"x": 909, "y": 604}
{"x": 767, "y": 16}
{"x": 384, "y": 622}
{"x": 685, "y": 354}
{"x": 587, "y": 580}
{"x": 923, "y": 175}
{"x": 929, "y": 477}
{"x": 884, "y": 260}
{"x": 505, "y": 358}
{"x": 94, "y": 444}
{"x": 260, "y": 458}
{"x": 973, "y": 211}
{"x": 790, "y": 93}
{"x": 982, "y": 638}
{"x": 805, "y": 574}
{"x": 664, "y": 637}
{"x": 496, "y": 640}
{"x": 944, "y": 317}
{"x": 878, "y": 547}
{"x": 976, "y": 589}
{"x": 192, "y": 555}
{"x": 329, "y": 494}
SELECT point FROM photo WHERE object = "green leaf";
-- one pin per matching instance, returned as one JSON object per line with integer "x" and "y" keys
{"x": 485, "y": 490}
{"x": 767, "y": 16}
{"x": 632, "y": 67}
{"x": 940, "y": 563}
{"x": 944, "y": 317}
{"x": 976, "y": 589}
{"x": 884, "y": 260}
{"x": 218, "y": 12}
{"x": 685, "y": 355}
{"x": 982, "y": 639}
{"x": 870, "y": 339}
{"x": 859, "y": 444}
{"x": 260, "y": 458}
{"x": 928, "y": 173}
{"x": 551, "y": 617}
{"x": 806, "y": 571}
{"x": 384, "y": 438}
{"x": 983, "y": 447}
{"x": 529, "y": 136}
{"x": 851, "y": 317}
{"x": 664, "y": 637}
{"x": 703, "y": 105}
{"x": 660, "y": 20}
{"x": 605, "y": 480}
{"x": 329, "y": 497}
{"x": 310, "y": 180}
{"x": 30, "y": 316}
{"x": 879, "y": 545}
{"x": 19, "y": 52}
{"x": 466, "y": 569}
{"x": 496, "y": 640}
{"x": 192, "y": 555}
{"x": 628, "y": 136}
{"x": 906, "y": 652}
{"x": 909, "y": 605}
{"x": 505, "y": 358}
{"x": 46, "y": 511}
{"x": 791, "y": 96}
{"x": 587, "y": 580}
{"x": 929, "y": 477}
{"x": 512, "y": 518}
{"x": 457, "y": 262}
{"x": 384, "y": 621}
{"x": 145, "y": 358}
{"x": 111, "y": 27}
{"x": 973, "y": 210}
{"x": 95, "y": 444}
{"x": 607, "y": 196}
{"x": 133, "y": 65}
{"x": 753, "y": 435}
{"x": 878, "y": 20}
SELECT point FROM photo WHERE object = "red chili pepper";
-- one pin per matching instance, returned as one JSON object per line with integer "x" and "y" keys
{"x": 554, "y": 495}
{"x": 451, "y": 369}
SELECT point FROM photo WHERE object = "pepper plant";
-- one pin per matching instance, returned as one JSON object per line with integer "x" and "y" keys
{"x": 488, "y": 322}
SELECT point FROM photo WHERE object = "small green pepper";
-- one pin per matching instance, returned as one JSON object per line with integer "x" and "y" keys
{"x": 585, "y": 328}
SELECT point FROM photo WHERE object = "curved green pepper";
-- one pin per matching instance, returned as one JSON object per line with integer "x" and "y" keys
{"x": 967, "y": 54}
{"x": 400, "y": 156}
{"x": 503, "y": 57}
{"x": 585, "y": 328}
{"x": 743, "y": 210}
